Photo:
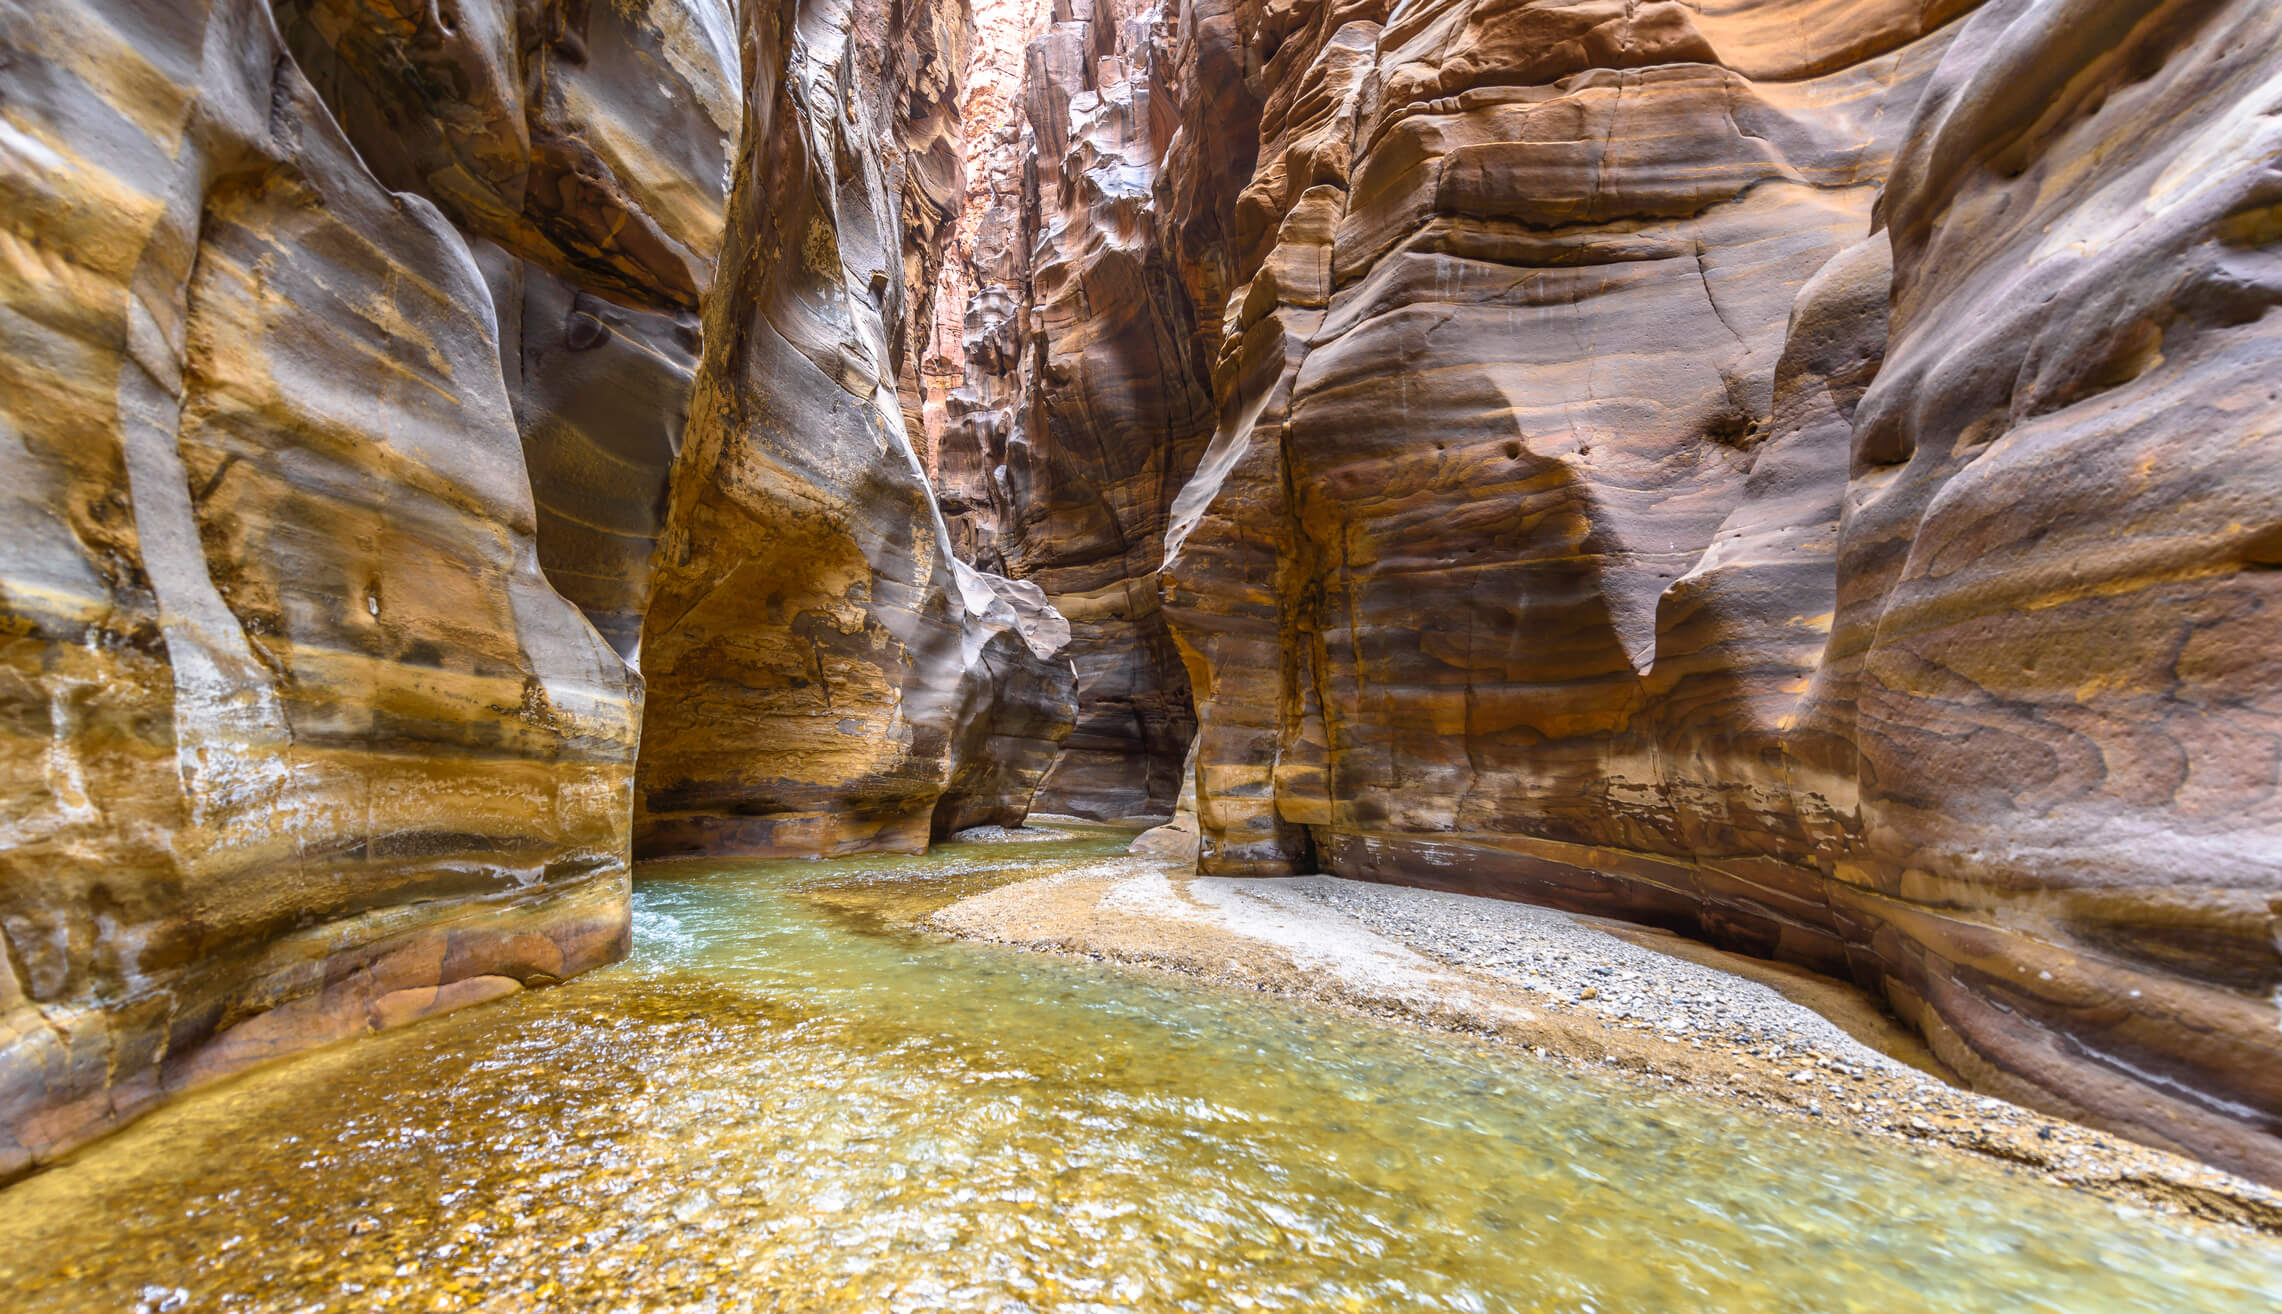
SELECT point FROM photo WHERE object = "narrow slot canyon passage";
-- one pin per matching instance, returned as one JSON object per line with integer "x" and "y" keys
{"x": 1077, "y": 655}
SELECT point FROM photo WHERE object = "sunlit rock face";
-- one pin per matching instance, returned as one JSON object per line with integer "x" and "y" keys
{"x": 824, "y": 675}
{"x": 1793, "y": 472}
{"x": 350, "y": 349}
{"x": 299, "y": 742}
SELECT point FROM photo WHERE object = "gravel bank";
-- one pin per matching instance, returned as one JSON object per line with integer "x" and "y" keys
{"x": 1004, "y": 835}
{"x": 1551, "y": 953}
{"x": 1572, "y": 994}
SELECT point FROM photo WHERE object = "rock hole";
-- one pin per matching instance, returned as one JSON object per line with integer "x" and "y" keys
{"x": 1732, "y": 429}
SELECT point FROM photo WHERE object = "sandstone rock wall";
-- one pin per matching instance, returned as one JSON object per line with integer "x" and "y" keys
{"x": 2057, "y": 651}
{"x": 350, "y": 344}
{"x": 972, "y": 375}
{"x": 299, "y": 742}
{"x": 822, "y": 671}
{"x": 1086, "y": 402}
{"x": 1791, "y": 472}
{"x": 585, "y": 149}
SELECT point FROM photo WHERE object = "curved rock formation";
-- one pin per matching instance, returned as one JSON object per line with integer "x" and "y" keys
{"x": 585, "y": 149}
{"x": 347, "y": 340}
{"x": 1577, "y": 529}
{"x": 2057, "y": 651}
{"x": 806, "y": 598}
{"x": 1502, "y": 365}
{"x": 1794, "y": 471}
{"x": 299, "y": 741}
{"x": 591, "y": 139}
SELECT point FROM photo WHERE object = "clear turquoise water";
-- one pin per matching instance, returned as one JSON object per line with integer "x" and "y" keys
{"x": 789, "y": 1100}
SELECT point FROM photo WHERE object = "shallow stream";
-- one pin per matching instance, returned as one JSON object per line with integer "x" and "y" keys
{"x": 788, "y": 1099}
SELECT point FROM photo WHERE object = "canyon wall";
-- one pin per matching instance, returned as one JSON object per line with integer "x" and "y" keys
{"x": 584, "y": 151}
{"x": 349, "y": 346}
{"x": 1794, "y": 472}
{"x": 806, "y": 598}
{"x": 299, "y": 740}
{"x": 1085, "y": 401}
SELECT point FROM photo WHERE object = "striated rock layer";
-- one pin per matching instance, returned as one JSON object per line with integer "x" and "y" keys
{"x": 585, "y": 150}
{"x": 298, "y": 740}
{"x": 350, "y": 344}
{"x": 1086, "y": 403}
{"x": 1786, "y": 471}
{"x": 824, "y": 675}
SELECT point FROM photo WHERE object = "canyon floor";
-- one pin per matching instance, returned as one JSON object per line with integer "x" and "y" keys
{"x": 1581, "y": 992}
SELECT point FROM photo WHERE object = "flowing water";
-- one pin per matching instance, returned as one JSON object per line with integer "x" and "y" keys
{"x": 790, "y": 1100}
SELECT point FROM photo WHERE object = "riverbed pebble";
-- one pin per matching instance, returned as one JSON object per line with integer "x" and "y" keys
{"x": 1004, "y": 835}
{"x": 1548, "y": 951}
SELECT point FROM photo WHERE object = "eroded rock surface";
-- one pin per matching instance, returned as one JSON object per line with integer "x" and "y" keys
{"x": 2057, "y": 652}
{"x": 350, "y": 345}
{"x": 589, "y": 138}
{"x": 585, "y": 150}
{"x": 1086, "y": 402}
{"x": 806, "y": 599}
{"x": 1786, "y": 471}
{"x": 299, "y": 741}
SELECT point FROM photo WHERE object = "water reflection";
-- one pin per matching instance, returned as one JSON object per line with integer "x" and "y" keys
{"x": 789, "y": 1101}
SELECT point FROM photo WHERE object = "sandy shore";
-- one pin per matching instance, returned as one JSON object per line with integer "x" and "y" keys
{"x": 1582, "y": 993}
